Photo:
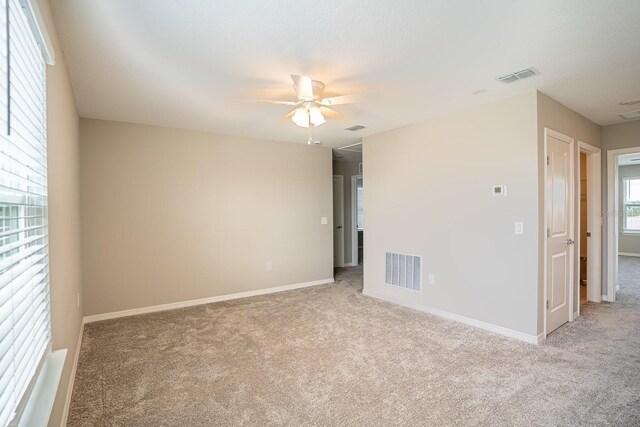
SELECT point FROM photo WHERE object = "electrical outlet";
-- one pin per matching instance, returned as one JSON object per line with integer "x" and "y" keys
{"x": 432, "y": 279}
{"x": 269, "y": 266}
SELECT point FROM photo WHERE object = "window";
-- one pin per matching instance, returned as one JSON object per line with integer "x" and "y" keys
{"x": 24, "y": 260}
{"x": 631, "y": 204}
{"x": 359, "y": 191}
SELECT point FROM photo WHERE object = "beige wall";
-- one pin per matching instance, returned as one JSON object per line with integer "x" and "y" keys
{"x": 628, "y": 243}
{"x": 553, "y": 115}
{"x": 347, "y": 170}
{"x": 429, "y": 194}
{"x": 64, "y": 212}
{"x": 171, "y": 215}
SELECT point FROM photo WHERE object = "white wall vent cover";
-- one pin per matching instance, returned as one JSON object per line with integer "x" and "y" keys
{"x": 404, "y": 271}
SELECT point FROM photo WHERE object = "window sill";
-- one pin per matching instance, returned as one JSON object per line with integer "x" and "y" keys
{"x": 38, "y": 409}
{"x": 630, "y": 233}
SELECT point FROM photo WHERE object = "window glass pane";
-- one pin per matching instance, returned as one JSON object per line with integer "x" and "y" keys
{"x": 360, "y": 210}
{"x": 632, "y": 217}
{"x": 633, "y": 190}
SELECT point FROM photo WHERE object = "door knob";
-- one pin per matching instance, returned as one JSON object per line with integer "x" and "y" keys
{"x": 570, "y": 242}
{"x": 339, "y": 227}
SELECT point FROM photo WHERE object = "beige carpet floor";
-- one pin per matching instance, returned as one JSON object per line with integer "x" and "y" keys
{"x": 329, "y": 356}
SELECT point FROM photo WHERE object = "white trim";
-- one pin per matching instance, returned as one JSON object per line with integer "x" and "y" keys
{"x": 34, "y": 17}
{"x": 354, "y": 219}
{"x": 340, "y": 262}
{"x": 208, "y": 300}
{"x": 628, "y": 254}
{"x": 611, "y": 219}
{"x": 564, "y": 138}
{"x": 532, "y": 339}
{"x": 594, "y": 222}
{"x": 38, "y": 408}
{"x": 67, "y": 401}
{"x": 349, "y": 264}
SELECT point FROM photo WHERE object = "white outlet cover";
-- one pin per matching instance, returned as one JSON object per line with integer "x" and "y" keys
{"x": 324, "y": 220}
{"x": 269, "y": 266}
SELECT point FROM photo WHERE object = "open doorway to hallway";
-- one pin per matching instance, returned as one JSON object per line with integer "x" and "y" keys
{"x": 348, "y": 167}
{"x": 628, "y": 203}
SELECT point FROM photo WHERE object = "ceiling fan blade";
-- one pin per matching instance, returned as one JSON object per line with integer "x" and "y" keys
{"x": 287, "y": 117}
{"x": 268, "y": 101}
{"x": 347, "y": 99}
{"x": 303, "y": 86}
{"x": 331, "y": 114}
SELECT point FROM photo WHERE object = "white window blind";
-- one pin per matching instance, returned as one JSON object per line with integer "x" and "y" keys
{"x": 24, "y": 261}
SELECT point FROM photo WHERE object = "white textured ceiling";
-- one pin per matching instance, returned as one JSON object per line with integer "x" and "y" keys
{"x": 186, "y": 63}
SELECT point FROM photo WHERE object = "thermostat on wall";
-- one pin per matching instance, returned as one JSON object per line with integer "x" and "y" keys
{"x": 499, "y": 190}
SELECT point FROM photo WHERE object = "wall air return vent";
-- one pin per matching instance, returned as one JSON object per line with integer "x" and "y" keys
{"x": 518, "y": 75}
{"x": 631, "y": 115}
{"x": 403, "y": 271}
{"x": 355, "y": 128}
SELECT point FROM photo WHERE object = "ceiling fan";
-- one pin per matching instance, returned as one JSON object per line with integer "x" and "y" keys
{"x": 312, "y": 110}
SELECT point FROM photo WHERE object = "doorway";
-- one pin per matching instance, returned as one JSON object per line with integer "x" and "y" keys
{"x": 589, "y": 229}
{"x": 338, "y": 221}
{"x": 347, "y": 164}
{"x": 623, "y": 213}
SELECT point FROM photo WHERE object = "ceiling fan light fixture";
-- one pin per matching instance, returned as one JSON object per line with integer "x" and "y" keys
{"x": 301, "y": 117}
{"x": 316, "y": 117}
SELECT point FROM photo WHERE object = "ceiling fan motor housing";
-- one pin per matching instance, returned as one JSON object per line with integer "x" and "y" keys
{"x": 317, "y": 87}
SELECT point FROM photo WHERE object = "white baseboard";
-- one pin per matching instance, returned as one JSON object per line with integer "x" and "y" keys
{"x": 208, "y": 300}
{"x": 350, "y": 264}
{"x": 532, "y": 339}
{"x": 628, "y": 254}
{"x": 67, "y": 402}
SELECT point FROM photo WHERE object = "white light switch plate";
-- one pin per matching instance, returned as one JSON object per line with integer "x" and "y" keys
{"x": 324, "y": 220}
{"x": 432, "y": 279}
{"x": 519, "y": 227}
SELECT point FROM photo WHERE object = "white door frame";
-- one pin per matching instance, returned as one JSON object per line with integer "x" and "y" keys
{"x": 340, "y": 262}
{"x": 354, "y": 219}
{"x": 613, "y": 194}
{"x": 594, "y": 222}
{"x": 550, "y": 132}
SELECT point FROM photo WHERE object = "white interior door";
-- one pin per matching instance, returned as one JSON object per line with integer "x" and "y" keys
{"x": 338, "y": 221}
{"x": 559, "y": 203}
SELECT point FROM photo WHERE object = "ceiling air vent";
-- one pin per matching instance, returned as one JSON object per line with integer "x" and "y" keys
{"x": 518, "y": 75}
{"x": 355, "y": 128}
{"x": 631, "y": 115}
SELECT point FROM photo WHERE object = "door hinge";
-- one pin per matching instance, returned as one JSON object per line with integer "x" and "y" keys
{"x": 547, "y": 160}
{"x": 548, "y": 233}
{"x": 547, "y": 304}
